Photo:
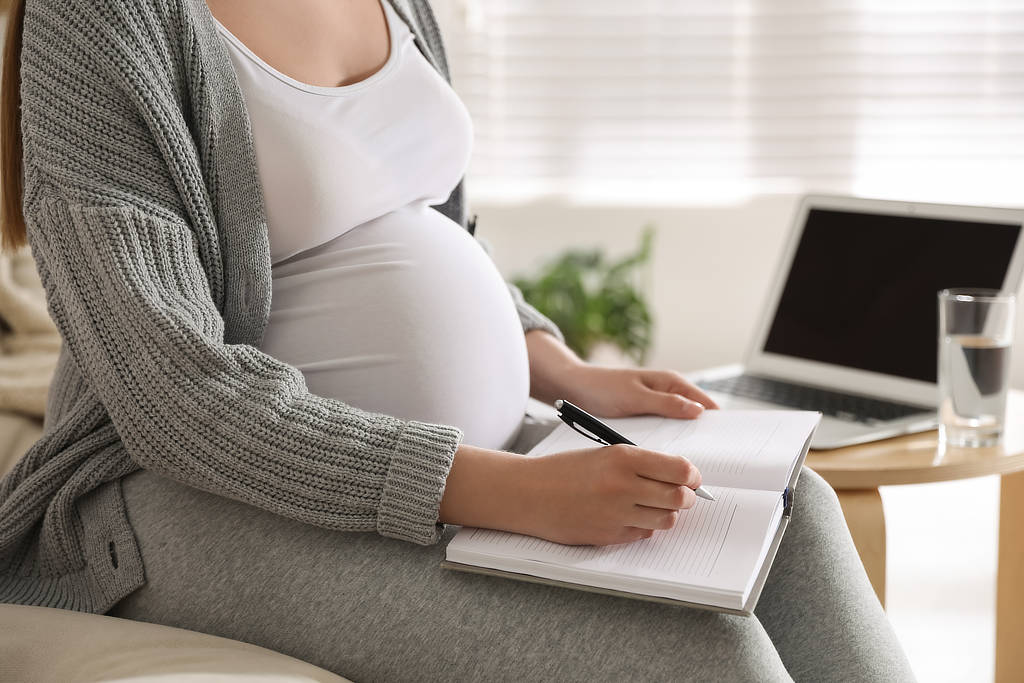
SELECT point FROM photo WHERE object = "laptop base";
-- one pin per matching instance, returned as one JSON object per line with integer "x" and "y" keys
{"x": 832, "y": 432}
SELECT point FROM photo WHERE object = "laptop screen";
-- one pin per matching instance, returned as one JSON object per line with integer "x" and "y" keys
{"x": 862, "y": 288}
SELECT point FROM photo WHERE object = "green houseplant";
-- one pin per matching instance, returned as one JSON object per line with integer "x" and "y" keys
{"x": 593, "y": 299}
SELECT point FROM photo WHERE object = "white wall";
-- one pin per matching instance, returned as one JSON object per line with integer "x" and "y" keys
{"x": 710, "y": 269}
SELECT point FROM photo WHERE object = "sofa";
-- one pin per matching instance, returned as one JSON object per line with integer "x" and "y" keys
{"x": 54, "y": 645}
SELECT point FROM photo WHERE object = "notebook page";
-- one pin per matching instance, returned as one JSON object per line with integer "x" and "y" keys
{"x": 714, "y": 549}
{"x": 731, "y": 448}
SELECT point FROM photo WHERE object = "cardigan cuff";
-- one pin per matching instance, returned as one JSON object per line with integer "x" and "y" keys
{"x": 411, "y": 500}
{"x": 532, "y": 319}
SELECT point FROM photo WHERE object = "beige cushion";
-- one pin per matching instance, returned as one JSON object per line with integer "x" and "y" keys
{"x": 44, "y": 644}
{"x": 29, "y": 340}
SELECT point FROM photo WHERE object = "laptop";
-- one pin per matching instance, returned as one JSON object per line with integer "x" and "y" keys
{"x": 850, "y": 323}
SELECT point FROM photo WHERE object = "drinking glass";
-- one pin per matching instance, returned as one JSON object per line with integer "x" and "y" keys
{"x": 975, "y": 335}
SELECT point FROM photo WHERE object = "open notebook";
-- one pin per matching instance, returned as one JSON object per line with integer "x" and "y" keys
{"x": 718, "y": 554}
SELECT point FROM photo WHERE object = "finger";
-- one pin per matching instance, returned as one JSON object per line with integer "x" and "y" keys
{"x": 673, "y": 382}
{"x": 663, "y": 467}
{"x": 671, "y": 405}
{"x": 653, "y": 518}
{"x": 658, "y": 494}
{"x": 693, "y": 392}
{"x": 632, "y": 533}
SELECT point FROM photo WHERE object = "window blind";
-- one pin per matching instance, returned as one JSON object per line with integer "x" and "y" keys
{"x": 686, "y": 100}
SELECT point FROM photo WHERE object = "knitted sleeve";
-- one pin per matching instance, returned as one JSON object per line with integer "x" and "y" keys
{"x": 126, "y": 286}
{"x": 131, "y": 301}
{"x": 530, "y": 317}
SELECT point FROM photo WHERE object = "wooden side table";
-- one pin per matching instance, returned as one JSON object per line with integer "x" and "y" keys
{"x": 856, "y": 472}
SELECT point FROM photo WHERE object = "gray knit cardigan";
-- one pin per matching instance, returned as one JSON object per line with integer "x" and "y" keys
{"x": 146, "y": 222}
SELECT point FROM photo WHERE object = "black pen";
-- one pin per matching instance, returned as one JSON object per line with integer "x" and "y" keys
{"x": 581, "y": 420}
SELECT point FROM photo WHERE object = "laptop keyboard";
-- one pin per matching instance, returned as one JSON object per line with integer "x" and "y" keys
{"x": 844, "y": 406}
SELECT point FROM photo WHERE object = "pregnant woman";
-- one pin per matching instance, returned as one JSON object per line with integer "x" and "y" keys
{"x": 288, "y": 368}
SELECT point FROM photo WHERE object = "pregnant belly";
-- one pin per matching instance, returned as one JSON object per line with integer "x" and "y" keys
{"x": 405, "y": 315}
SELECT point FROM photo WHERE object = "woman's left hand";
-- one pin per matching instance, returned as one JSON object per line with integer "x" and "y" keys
{"x": 622, "y": 392}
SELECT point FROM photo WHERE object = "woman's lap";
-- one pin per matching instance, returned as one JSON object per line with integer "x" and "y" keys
{"x": 373, "y": 608}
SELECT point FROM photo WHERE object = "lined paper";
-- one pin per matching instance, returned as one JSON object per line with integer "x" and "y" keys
{"x": 714, "y": 545}
{"x": 715, "y": 551}
{"x": 733, "y": 448}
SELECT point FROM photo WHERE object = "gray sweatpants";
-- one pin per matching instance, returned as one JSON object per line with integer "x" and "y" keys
{"x": 376, "y": 609}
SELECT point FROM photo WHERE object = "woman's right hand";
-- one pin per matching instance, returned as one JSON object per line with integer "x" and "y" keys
{"x": 593, "y": 496}
{"x": 607, "y": 494}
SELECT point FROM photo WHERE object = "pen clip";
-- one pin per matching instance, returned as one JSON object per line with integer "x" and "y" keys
{"x": 588, "y": 434}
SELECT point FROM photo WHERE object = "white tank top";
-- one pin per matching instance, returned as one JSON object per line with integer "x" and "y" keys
{"x": 381, "y": 301}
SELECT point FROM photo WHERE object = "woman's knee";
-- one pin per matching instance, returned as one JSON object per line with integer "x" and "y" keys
{"x": 815, "y": 495}
{"x": 817, "y": 520}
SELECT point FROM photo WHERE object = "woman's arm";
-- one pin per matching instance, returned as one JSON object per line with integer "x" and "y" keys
{"x": 552, "y": 364}
{"x": 557, "y": 372}
{"x": 530, "y": 318}
{"x": 599, "y": 496}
